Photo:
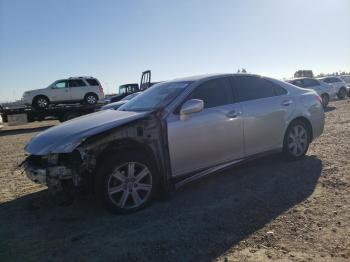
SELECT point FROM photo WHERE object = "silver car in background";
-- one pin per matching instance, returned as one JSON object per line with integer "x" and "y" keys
{"x": 337, "y": 83}
{"x": 326, "y": 91}
{"x": 173, "y": 133}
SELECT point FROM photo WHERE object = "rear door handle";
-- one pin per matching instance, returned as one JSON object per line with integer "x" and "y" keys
{"x": 287, "y": 102}
{"x": 233, "y": 114}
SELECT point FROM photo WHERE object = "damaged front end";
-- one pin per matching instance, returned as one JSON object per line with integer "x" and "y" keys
{"x": 55, "y": 170}
{"x": 77, "y": 169}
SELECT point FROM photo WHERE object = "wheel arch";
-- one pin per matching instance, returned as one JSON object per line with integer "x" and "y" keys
{"x": 40, "y": 95}
{"x": 90, "y": 93}
{"x": 325, "y": 94}
{"x": 306, "y": 121}
{"x": 121, "y": 146}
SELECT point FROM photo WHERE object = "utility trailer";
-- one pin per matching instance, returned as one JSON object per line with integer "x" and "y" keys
{"x": 60, "y": 112}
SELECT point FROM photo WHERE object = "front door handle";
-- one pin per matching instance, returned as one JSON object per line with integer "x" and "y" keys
{"x": 233, "y": 114}
{"x": 287, "y": 102}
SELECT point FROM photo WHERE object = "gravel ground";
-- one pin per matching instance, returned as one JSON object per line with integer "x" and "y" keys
{"x": 267, "y": 209}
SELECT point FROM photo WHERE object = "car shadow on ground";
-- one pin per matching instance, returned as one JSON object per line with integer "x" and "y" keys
{"x": 200, "y": 223}
{"x": 329, "y": 108}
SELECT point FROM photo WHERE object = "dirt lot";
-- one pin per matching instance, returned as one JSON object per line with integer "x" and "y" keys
{"x": 264, "y": 210}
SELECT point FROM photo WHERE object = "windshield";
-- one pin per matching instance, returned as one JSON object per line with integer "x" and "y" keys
{"x": 155, "y": 97}
{"x": 129, "y": 96}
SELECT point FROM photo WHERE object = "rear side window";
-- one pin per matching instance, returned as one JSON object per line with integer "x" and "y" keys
{"x": 251, "y": 88}
{"x": 76, "y": 83}
{"x": 92, "y": 82}
{"x": 297, "y": 83}
{"x": 310, "y": 82}
{"x": 335, "y": 80}
{"x": 279, "y": 91}
{"x": 327, "y": 80}
{"x": 216, "y": 92}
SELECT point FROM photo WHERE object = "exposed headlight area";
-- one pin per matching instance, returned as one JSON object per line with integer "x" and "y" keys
{"x": 52, "y": 168}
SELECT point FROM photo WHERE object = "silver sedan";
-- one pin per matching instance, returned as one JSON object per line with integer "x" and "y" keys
{"x": 173, "y": 133}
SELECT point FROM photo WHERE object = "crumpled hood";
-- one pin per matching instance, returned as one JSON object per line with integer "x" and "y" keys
{"x": 65, "y": 137}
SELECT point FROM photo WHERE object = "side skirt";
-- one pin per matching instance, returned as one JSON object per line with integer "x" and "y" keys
{"x": 193, "y": 176}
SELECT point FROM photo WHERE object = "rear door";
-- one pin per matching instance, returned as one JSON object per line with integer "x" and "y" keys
{"x": 210, "y": 137}
{"x": 266, "y": 108}
{"x": 78, "y": 89}
{"x": 60, "y": 91}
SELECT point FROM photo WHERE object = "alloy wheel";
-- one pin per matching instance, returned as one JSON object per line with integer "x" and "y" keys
{"x": 130, "y": 185}
{"x": 297, "y": 140}
{"x": 91, "y": 100}
{"x": 42, "y": 102}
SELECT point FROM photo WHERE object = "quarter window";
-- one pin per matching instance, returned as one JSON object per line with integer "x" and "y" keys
{"x": 251, "y": 88}
{"x": 92, "y": 82}
{"x": 216, "y": 92}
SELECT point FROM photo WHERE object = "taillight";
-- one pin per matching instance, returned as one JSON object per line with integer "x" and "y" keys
{"x": 319, "y": 99}
{"x": 100, "y": 88}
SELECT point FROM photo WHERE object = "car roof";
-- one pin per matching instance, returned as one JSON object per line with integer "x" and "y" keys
{"x": 300, "y": 78}
{"x": 325, "y": 77}
{"x": 208, "y": 76}
{"x": 81, "y": 77}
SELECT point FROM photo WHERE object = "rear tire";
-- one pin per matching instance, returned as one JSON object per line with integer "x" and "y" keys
{"x": 41, "y": 102}
{"x": 90, "y": 99}
{"x": 325, "y": 100}
{"x": 126, "y": 183}
{"x": 296, "y": 140}
{"x": 342, "y": 93}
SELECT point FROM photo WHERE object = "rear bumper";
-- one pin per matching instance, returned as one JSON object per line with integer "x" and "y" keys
{"x": 317, "y": 122}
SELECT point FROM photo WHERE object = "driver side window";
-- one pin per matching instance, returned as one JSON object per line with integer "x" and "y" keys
{"x": 60, "y": 85}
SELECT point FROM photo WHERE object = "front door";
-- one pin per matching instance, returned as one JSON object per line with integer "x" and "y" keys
{"x": 60, "y": 91}
{"x": 210, "y": 137}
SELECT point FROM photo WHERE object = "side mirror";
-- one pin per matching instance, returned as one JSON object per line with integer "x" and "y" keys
{"x": 191, "y": 106}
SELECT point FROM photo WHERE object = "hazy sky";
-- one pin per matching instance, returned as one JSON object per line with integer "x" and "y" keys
{"x": 42, "y": 40}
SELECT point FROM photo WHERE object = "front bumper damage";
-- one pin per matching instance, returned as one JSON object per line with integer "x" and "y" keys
{"x": 42, "y": 175}
{"x": 42, "y": 171}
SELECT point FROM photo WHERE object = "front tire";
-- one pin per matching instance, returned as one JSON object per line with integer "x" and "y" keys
{"x": 41, "y": 102}
{"x": 127, "y": 183}
{"x": 296, "y": 140}
{"x": 342, "y": 93}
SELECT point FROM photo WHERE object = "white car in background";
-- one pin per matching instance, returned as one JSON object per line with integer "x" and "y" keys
{"x": 337, "y": 83}
{"x": 325, "y": 91}
{"x": 71, "y": 90}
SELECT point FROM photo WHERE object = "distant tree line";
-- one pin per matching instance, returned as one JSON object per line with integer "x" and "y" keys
{"x": 339, "y": 73}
